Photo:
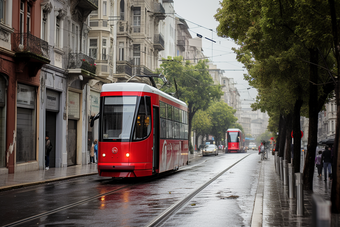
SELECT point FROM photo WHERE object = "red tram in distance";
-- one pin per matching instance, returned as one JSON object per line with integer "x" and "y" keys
{"x": 142, "y": 131}
{"x": 235, "y": 140}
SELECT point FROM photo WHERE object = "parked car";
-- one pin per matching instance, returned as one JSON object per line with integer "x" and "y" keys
{"x": 210, "y": 149}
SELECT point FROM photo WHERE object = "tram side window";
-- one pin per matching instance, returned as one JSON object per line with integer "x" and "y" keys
{"x": 162, "y": 109}
{"x": 169, "y": 112}
{"x": 163, "y": 128}
{"x": 143, "y": 122}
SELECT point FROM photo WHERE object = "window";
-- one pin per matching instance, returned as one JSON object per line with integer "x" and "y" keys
{"x": 2, "y": 10}
{"x": 136, "y": 20}
{"x": 28, "y": 18}
{"x": 22, "y": 16}
{"x": 73, "y": 38}
{"x": 57, "y": 32}
{"x": 104, "y": 49}
{"x": 77, "y": 38}
{"x": 169, "y": 112}
{"x": 122, "y": 9}
{"x": 143, "y": 121}
{"x": 117, "y": 120}
{"x": 162, "y": 109}
{"x": 44, "y": 26}
{"x": 136, "y": 54}
{"x": 93, "y": 48}
{"x": 104, "y": 8}
{"x": 121, "y": 51}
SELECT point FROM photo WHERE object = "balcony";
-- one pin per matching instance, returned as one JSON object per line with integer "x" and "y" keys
{"x": 159, "y": 11}
{"x": 30, "y": 50}
{"x": 81, "y": 63}
{"x": 124, "y": 68}
{"x": 142, "y": 70}
{"x": 124, "y": 30}
{"x": 181, "y": 44}
{"x": 85, "y": 7}
{"x": 158, "y": 42}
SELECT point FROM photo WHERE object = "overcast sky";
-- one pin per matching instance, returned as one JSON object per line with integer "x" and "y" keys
{"x": 199, "y": 15}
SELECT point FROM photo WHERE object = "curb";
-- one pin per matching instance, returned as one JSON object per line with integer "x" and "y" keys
{"x": 10, "y": 187}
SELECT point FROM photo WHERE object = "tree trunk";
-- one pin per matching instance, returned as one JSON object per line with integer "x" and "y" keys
{"x": 277, "y": 146}
{"x": 190, "y": 117}
{"x": 297, "y": 135}
{"x": 282, "y": 136}
{"x": 309, "y": 167}
{"x": 289, "y": 127}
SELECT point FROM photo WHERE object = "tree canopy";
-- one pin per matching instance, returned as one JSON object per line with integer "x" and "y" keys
{"x": 191, "y": 83}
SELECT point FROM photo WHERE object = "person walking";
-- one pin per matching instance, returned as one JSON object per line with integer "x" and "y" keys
{"x": 92, "y": 154}
{"x": 327, "y": 162}
{"x": 48, "y": 148}
{"x": 318, "y": 163}
{"x": 96, "y": 150}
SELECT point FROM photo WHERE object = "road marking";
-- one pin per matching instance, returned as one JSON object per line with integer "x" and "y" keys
{"x": 257, "y": 216}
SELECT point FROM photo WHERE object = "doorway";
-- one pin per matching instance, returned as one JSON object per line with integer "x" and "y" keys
{"x": 50, "y": 132}
{"x": 72, "y": 143}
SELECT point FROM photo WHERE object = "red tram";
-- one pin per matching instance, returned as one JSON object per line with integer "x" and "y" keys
{"x": 142, "y": 131}
{"x": 235, "y": 140}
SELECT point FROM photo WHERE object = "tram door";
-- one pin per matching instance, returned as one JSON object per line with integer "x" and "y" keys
{"x": 50, "y": 131}
{"x": 72, "y": 142}
{"x": 155, "y": 162}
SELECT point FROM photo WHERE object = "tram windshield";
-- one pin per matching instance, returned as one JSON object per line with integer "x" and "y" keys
{"x": 233, "y": 137}
{"x": 117, "y": 118}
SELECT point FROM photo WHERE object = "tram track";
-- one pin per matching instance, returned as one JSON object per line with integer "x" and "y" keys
{"x": 165, "y": 215}
{"x": 161, "y": 218}
{"x": 83, "y": 201}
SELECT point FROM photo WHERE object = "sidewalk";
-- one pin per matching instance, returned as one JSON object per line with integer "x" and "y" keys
{"x": 22, "y": 179}
{"x": 279, "y": 210}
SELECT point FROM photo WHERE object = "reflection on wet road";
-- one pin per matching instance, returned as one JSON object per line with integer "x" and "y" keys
{"x": 106, "y": 202}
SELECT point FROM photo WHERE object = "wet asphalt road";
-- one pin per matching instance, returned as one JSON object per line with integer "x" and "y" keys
{"x": 97, "y": 201}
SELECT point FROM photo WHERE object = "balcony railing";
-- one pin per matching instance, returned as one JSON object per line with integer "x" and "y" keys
{"x": 81, "y": 61}
{"x": 28, "y": 43}
{"x": 124, "y": 67}
{"x": 158, "y": 41}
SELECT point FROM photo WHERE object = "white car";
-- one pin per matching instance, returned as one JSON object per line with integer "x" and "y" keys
{"x": 210, "y": 149}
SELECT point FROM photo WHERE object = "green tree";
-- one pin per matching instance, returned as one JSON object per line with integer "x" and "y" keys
{"x": 222, "y": 118}
{"x": 201, "y": 123}
{"x": 282, "y": 42}
{"x": 190, "y": 83}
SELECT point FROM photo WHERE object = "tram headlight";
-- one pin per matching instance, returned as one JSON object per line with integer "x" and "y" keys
{"x": 104, "y": 155}
{"x": 127, "y": 155}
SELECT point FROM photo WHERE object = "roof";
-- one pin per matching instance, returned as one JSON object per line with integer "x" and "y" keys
{"x": 139, "y": 87}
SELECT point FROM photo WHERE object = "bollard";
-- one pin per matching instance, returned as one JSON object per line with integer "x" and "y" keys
{"x": 290, "y": 181}
{"x": 285, "y": 173}
{"x": 278, "y": 165}
{"x": 299, "y": 194}
{"x": 275, "y": 161}
{"x": 321, "y": 212}
{"x": 281, "y": 169}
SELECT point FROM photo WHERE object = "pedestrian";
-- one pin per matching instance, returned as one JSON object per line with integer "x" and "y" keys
{"x": 48, "y": 148}
{"x": 92, "y": 154}
{"x": 318, "y": 163}
{"x": 96, "y": 150}
{"x": 327, "y": 162}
